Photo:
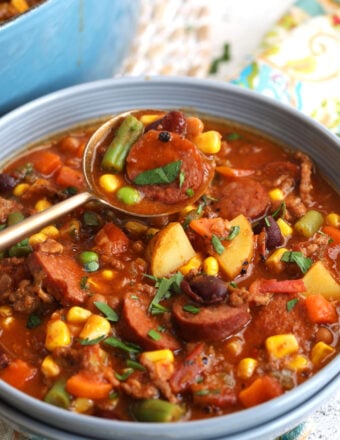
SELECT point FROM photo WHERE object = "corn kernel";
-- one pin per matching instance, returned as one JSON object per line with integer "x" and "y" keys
{"x": 109, "y": 182}
{"x": 276, "y": 195}
{"x": 49, "y": 367}
{"x": 135, "y": 227}
{"x": 7, "y": 322}
{"x": 280, "y": 346}
{"x": 298, "y": 363}
{"x": 210, "y": 266}
{"x": 57, "y": 335}
{"x": 148, "y": 119}
{"x": 320, "y": 352}
{"x": 193, "y": 264}
{"x": 246, "y": 368}
{"x": 108, "y": 275}
{"x": 333, "y": 219}
{"x": 164, "y": 355}
{"x": 95, "y": 327}
{"x": 234, "y": 347}
{"x": 77, "y": 315}
{"x": 5, "y": 311}
{"x": 51, "y": 231}
{"x": 42, "y": 204}
{"x": 152, "y": 231}
{"x": 20, "y": 5}
{"x": 37, "y": 238}
{"x": 188, "y": 209}
{"x": 274, "y": 260}
{"x": 285, "y": 228}
{"x": 20, "y": 189}
{"x": 82, "y": 405}
{"x": 209, "y": 142}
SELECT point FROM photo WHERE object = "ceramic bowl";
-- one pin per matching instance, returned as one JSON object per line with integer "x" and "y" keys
{"x": 61, "y": 43}
{"x": 78, "y": 104}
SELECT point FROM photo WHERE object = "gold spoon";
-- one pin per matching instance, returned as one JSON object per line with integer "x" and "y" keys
{"x": 15, "y": 233}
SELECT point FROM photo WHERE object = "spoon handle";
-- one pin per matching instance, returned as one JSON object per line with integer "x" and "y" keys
{"x": 15, "y": 233}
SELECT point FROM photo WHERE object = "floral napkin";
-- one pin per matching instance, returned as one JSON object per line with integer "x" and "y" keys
{"x": 299, "y": 61}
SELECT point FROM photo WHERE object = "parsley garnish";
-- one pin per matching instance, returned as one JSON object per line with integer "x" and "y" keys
{"x": 166, "y": 174}
{"x": 191, "y": 309}
{"x": 125, "y": 375}
{"x": 234, "y": 231}
{"x": 88, "y": 341}
{"x": 126, "y": 346}
{"x": 33, "y": 321}
{"x": 233, "y": 137}
{"x": 83, "y": 283}
{"x": 280, "y": 211}
{"x": 291, "y": 304}
{"x": 154, "y": 334}
{"x": 164, "y": 287}
{"x": 304, "y": 263}
{"x": 181, "y": 178}
{"x": 217, "y": 245}
{"x": 109, "y": 313}
{"x": 135, "y": 365}
{"x": 190, "y": 192}
{"x": 217, "y": 61}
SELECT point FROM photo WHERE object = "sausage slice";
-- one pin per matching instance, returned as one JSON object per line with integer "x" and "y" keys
{"x": 149, "y": 152}
{"x": 212, "y": 323}
{"x": 136, "y": 326}
{"x": 243, "y": 196}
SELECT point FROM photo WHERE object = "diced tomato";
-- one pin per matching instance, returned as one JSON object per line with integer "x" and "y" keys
{"x": 187, "y": 372}
{"x": 263, "y": 285}
{"x": 207, "y": 227}
{"x": 262, "y": 389}
{"x": 111, "y": 239}
{"x": 320, "y": 310}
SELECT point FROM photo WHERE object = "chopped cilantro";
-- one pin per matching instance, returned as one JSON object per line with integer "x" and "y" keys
{"x": 304, "y": 263}
{"x": 33, "y": 321}
{"x": 217, "y": 245}
{"x": 87, "y": 341}
{"x": 109, "y": 313}
{"x": 154, "y": 334}
{"x": 166, "y": 174}
{"x": 234, "y": 231}
{"x": 291, "y": 304}
{"x": 191, "y": 309}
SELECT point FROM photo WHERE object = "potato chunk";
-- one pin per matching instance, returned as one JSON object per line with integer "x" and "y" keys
{"x": 170, "y": 249}
{"x": 239, "y": 251}
{"x": 319, "y": 280}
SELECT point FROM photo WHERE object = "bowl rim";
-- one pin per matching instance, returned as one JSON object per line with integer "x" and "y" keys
{"x": 330, "y": 370}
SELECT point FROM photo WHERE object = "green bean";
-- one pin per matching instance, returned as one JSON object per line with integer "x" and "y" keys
{"x": 309, "y": 223}
{"x": 156, "y": 410}
{"x": 57, "y": 395}
{"x": 14, "y": 218}
{"x": 127, "y": 134}
{"x": 128, "y": 195}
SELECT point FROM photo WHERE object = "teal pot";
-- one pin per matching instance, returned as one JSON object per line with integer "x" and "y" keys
{"x": 61, "y": 43}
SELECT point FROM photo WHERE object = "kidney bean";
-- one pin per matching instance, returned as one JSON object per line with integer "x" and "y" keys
{"x": 205, "y": 289}
{"x": 274, "y": 236}
{"x": 173, "y": 121}
{"x": 7, "y": 182}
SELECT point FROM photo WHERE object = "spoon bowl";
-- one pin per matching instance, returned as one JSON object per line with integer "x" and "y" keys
{"x": 19, "y": 231}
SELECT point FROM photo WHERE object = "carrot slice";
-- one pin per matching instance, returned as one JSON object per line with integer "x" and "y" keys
{"x": 69, "y": 177}
{"x": 18, "y": 373}
{"x": 234, "y": 172}
{"x": 334, "y": 233}
{"x": 262, "y": 389}
{"x": 88, "y": 386}
{"x": 320, "y": 310}
{"x": 47, "y": 162}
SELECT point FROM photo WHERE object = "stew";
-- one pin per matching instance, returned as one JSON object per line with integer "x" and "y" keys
{"x": 12, "y": 8}
{"x": 229, "y": 303}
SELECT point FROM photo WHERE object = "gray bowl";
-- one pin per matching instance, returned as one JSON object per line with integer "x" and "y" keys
{"x": 78, "y": 104}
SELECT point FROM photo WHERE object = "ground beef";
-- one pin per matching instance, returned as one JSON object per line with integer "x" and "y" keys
{"x": 6, "y": 207}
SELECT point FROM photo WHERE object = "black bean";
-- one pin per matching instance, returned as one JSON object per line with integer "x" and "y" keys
{"x": 274, "y": 237}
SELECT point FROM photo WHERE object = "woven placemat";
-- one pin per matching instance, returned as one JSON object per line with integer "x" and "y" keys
{"x": 173, "y": 38}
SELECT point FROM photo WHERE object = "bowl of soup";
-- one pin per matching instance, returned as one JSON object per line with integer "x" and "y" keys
{"x": 217, "y": 320}
{"x": 69, "y": 42}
